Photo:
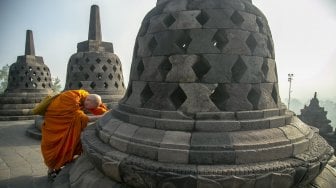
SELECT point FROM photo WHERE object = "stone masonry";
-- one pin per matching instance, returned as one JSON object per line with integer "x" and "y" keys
{"x": 95, "y": 67}
{"x": 202, "y": 109}
{"x": 29, "y": 81}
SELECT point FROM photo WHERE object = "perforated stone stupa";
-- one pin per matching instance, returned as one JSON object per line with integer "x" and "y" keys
{"x": 29, "y": 81}
{"x": 95, "y": 67}
{"x": 202, "y": 109}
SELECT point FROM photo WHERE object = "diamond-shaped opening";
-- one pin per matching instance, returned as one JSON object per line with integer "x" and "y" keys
{"x": 26, "y": 73}
{"x": 34, "y": 85}
{"x": 220, "y": 39}
{"x": 80, "y": 68}
{"x": 140, "y": 68}
{"x": 276, "y": 72}
{"x": 34, "y": 73}
{"x": 30, "y": 69}
{"x": 219, "y": 97}
{"x": 117, "y": 61}
{"x": 184, "y": 41}
{"x": 42, "y": 73}
{"x": 202, "y": 18}
{"x": 45, "y": 79}
{"x": 105, "y": 85}
{"x": 114, "y": 68}
{"x": 238, "y": 70}
{"x": 119, "y": 77}
{"x": 87, "y": 59}
{"x": 237, "y": 19}
{"x": 110, "y": 76}
{"x": 92, "y": 68}
{"x": 38, "y": 79}
{"x": 98, "y": 60}
{"x": 49, "y": 85}
{"x": 109, "y": 61}
{"x": 44, "y": 69}
{"x": 152, "y": 44}
{"x": 123, "y": 85}
{"x": 165, "y": 67}
{"x": 104, "y": 68}
{"x": 146, "y": 94}
{"x": 31, "y": 79}
{"x": 47, "y": 74}
{"x": 201, "y": 67}
{"x": 93, "y": 85}
{"x": 116, "y": 85}
{"x": 26, "y": 85}
{"x": 265, "y": 68}
{"x": 260, "y": 24}
{"x": 169, "y": 20}
{"x": 254, "y": 97}
{"x": 43, "y": 85}
{"x": 178, "y": 97}
{"x": 38, "y": 68}
{"x": 80, "y": 85}
{"x": 251, "y": 42}
{"x": 86, "y": 76}
{"x": 99, "y": 76}
{"x": 275, "y": 95}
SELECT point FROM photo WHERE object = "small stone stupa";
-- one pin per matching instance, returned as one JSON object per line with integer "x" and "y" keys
{"x": 316, "y": 116}
{"x": 29, "y": 81}
{"x": 95, "y": 67}
{"x": 202, "y": 109}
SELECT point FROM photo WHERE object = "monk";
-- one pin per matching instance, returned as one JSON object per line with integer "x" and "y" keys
{"x": 64, "y": 120}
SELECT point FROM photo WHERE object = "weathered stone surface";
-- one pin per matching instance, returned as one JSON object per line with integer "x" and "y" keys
{"x": 204, "y": 74}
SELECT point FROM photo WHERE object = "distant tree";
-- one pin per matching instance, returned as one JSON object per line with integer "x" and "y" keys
{"x": 4, "y": 78}
{"x": 56, "y": 85}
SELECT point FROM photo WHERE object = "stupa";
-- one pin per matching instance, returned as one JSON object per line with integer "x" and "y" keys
{"x": 316, "y": 116}
{"x": 29, "y": 81}
{"x": 202, "y": 109}
{"x": 95, "y": 67}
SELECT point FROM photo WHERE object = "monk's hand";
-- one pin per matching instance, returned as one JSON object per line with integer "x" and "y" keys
{"x": 94, "y": 118}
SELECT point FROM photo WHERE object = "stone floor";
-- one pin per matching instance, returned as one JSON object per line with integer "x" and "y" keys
{"x": 21, "y": 163}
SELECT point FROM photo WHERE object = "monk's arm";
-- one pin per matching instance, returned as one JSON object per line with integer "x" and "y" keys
{"x": 94, "y": 118}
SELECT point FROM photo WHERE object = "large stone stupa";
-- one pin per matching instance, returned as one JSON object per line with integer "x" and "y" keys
{"x": 202, "y": 109}
{"x": 29, "y": 81}
{"x": 95, "y": 67}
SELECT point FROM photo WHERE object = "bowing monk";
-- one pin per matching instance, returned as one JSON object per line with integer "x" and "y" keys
{"x": 64, "y": 120}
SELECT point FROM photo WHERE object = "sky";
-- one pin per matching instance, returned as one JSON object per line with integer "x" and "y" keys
{"x": 304, "y": 35}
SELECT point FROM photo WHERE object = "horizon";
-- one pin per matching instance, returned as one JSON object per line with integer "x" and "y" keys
{"x": 303, "y": 45}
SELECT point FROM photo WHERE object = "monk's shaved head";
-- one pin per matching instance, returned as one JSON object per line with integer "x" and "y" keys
{"x": 92, "y": 101}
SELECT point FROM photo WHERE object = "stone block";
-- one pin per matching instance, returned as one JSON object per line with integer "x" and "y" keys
{"x": 255, "y": 114}
{"x": 182, "y": 68}
{"x": 220, "y": 67}
{"x": 211, "y": 157}
{"x": 271, "y": 112}
{"x": 277, "y": 121}
{"x": 263, "y": 154}
{"x": 174, "y": 115}
{"x": 237, "y": 42}
{"x": 164, "y": 44}
{"x": 142, "y": 121}
{"x": 151, "y": 67}
{"x": 173, "y": 6}
{"x": 261, "y": 49}
{"x": 254, "y": 124}
{"x": 173, "y": 156}
{"x": 198, "y": 98}
{"x": 215, "y": 116}
{"x": 217, "y": 126}
{"x": 186, "y": 19}
{"x": 237, "y": 97}
{"x": 135, "y": 97}
{"x": 176, "y": 140}
{"x": 292, "y": 133}
{"x": 275, "y": 180}
{"x": 175, "y": 125}
{"x": 271, "y": 75}
{"x": 157, "y": 23}
{"x": 118, "y": 143}
{"x": 161, "y": 96}
{"x": 148, "y": 136}
{"x": 124, "y": 116}
{"x": 300, "y": 147}
{"x": 104, "y": 136}
{"x": 144, "y": 43}
{"x": 253, "y": 73}
{"x": 111, "y": 169}
{"x": 142, "y": 150}
{"x": 202, "y": 41}
{"x": 219, "y": 18}
{"x": 126, "y": 131}
{"x": 210, "y": 141}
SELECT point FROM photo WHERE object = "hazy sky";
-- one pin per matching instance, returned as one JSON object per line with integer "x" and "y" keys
{"x": 304, "y": 33}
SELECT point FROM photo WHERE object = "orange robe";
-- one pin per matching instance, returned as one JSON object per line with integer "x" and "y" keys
{"x": 63, "y": 123}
